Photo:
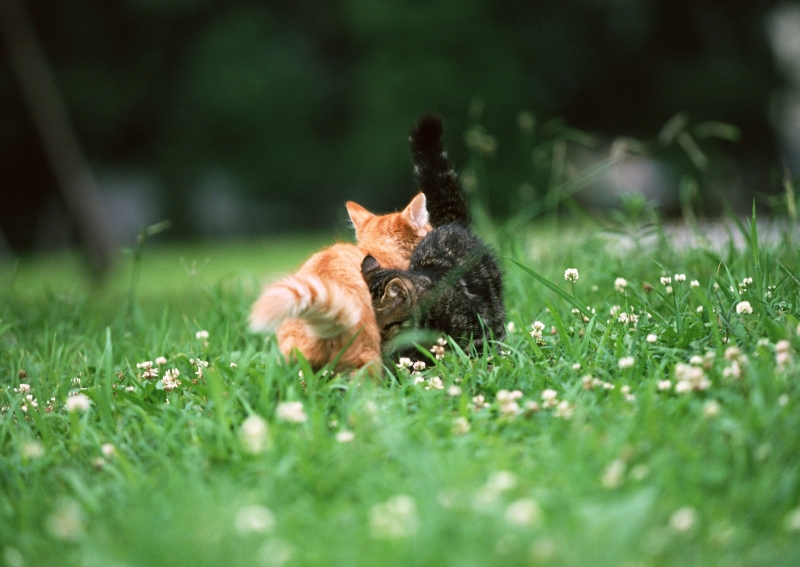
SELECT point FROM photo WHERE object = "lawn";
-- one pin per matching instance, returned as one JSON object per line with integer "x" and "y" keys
{"x": 644, "y": 413}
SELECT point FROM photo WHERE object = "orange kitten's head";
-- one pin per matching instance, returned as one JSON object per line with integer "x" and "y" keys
{"x": 390, "y": 238}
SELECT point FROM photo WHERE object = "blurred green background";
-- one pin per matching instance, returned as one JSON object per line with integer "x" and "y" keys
{"x": 242, "y": 117}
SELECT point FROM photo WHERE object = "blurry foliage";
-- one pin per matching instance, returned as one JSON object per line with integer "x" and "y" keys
{"x": 307, "y": 103}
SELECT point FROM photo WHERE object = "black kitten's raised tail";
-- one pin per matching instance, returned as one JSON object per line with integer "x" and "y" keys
{"x": 436, "y": 176}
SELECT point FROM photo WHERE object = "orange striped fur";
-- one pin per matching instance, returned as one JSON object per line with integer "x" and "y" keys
{"x": 318, "y": 309}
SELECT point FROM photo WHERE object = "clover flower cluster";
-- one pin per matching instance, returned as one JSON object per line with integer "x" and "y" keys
{"x": 783, "y": 354}
{"x": 589, "y": 382}
{"x": 537, "y": 328}
{"x": 148, "y": 372}
{"x": 690, "y": 378}
{"x": 170, "y": 380}
{"x": 292, "y": 412}
{"x": 438, "y": 349}
{"x": 736, "y": 360}
{"x": 28, "y": 400}
{"x": 199, "y": 366}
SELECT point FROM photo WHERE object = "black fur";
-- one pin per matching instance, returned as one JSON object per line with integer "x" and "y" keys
{"x": 453, "y": 285}
{"x": 436, "y": 176}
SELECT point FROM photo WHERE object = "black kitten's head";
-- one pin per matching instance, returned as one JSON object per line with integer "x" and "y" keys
{"x": 393, "y": 297}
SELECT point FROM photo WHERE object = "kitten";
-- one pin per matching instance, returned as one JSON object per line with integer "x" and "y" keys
{"x": 326, "y": 303}
{"x": 453, "y": 283}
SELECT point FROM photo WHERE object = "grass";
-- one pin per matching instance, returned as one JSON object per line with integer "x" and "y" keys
{"x": 615, "y": 469}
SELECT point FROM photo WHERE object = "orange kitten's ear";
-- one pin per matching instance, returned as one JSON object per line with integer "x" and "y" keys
{"x": 358, "y": 215}
{"x": 416, "y": 213}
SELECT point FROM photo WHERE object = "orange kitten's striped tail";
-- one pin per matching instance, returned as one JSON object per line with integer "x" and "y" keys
{"x": 323, "y": 305}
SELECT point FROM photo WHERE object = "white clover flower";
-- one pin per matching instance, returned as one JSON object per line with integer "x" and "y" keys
{"x": 666, "y": 280}
{"x": 345, "y": 436}
{"x": 77, "y": 402}
{"x": 292, "y": 412}
{"x": 690, "y": 378}
{"x": 394, "y": 519}
{"x": 538, "y": 328}
{"x": 201, "y": 335}
{"x": 23, "y": 389}
{"x": 170, "y": 380}
{"x": 479, "y": 402}
{"x": 254, "y": 519}
{"x": 663, "y": 385}
{"x": 613, "y": 474}
{"x": 589, "y": 382}
{"x": 683, "y": 520}
{"x": 438, "y": 351}
{"x": 234, "y": 365}
{"x": 651, "y": 338}
{"x": 523, "y": 512}
{"x": 509, "y": 408}
{"x": 620, "y": 284}
{"x": 576, "y": 366}
{"x": 454, "y": 391}
{"x": 680, "y": 278}
{"x": 746, "y": 282}
{"x": 461, "y": 426}
{"x": 626, "y": 362}
{"x": 571, "y": 274}
{"x": 712, "y": 408}
{"x": 733, "y": 371}
{"x": 501, "y": 481}
{"x": 549, "y": 398}
{"x": 32, "y": 450}
{"x": 694, "y": 283}
{"x": 161, "y": 360}
{"x": 435, "y": 383}
{"x": 504, "y": 396}
{"x": 696, "y": 360}
{"x": 699, "y": 309}
{"x": 626, "y": 392}
{"x": 419, "y": 365}
{"x": 511, "y": 327}
{"x": 744, "y": 308}
{"x": 563, "y": 410}
{"x": 419, "y": 380}
{"x": 668, "y": 290}
{"x": 108, "y": 450}
{"x": 531, "y": 406}
{"x": 149, "y": 372}
{"x": 67, "y": 520}
{"x": 404, "y": 362}
{"x": 254, "y": 434}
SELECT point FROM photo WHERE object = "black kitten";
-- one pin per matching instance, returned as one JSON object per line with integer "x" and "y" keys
{"x": 453, "y": 284}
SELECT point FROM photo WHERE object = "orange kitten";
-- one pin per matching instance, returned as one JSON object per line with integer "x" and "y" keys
{"x": 319, "y": 308}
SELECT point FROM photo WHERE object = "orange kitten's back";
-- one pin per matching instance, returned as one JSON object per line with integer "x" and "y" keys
{"x": 326, "y": 304}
